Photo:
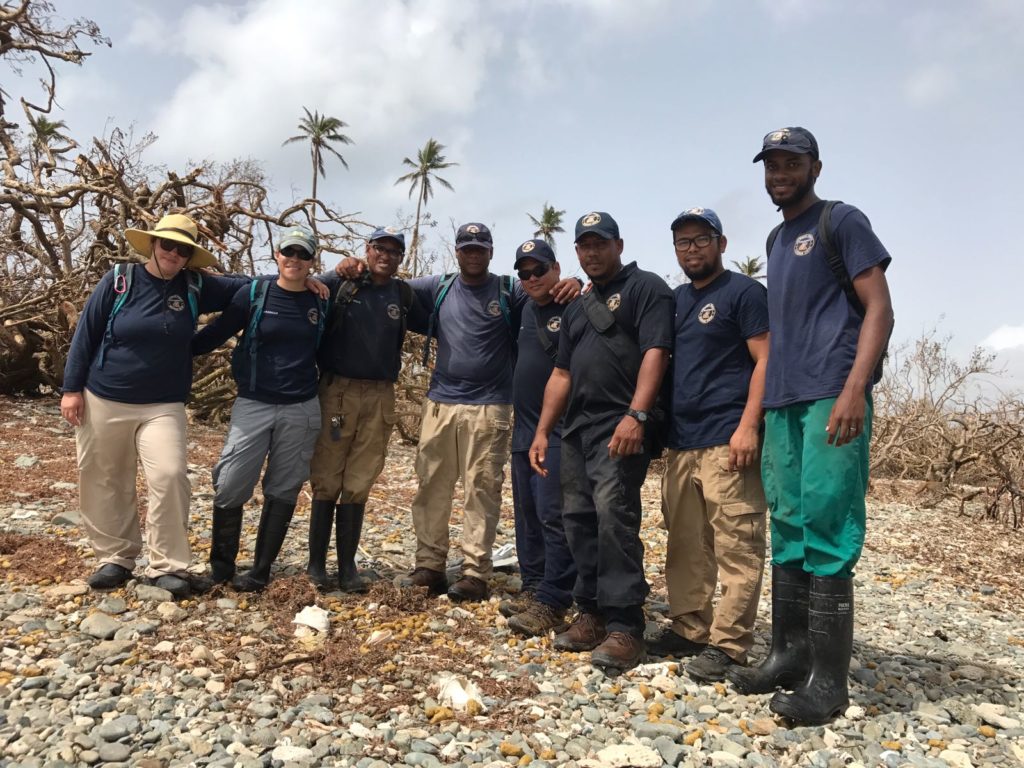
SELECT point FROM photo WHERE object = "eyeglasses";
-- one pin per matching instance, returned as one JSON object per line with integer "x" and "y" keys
{"x": 295, "y": 252}
{"x": 184, "y": 250}
{"x": 701, "y": 241}
{"x": 394, "y": 253}
{"x": 539, "y": 271}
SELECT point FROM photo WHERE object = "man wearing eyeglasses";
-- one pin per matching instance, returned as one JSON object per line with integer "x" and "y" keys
{"x": 830, "y": 316}
{"x": 711, "y": 491}
{"x": 611, "y": 359}
{"x": 545, "y": 562}
{"x": 360, "y": 358}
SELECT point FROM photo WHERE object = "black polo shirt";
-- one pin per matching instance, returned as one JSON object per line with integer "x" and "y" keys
{"x": 603, "y": 382}
{"x": 533, "y": 368}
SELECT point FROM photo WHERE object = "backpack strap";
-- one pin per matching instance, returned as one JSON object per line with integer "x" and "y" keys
{"x": 505, "y": 298}
{"x": 257, "y": 298}
{"x": 195, "y": 290}
{"x": 834, "y": 258}
{"x": 123, "y": 274}
{"x": 439, "y": 296}
{"x": 771, "y": 240}
{"x": 324, "y": 306}
{"x": 406, "y": 297}
{"x": 545, "y": 342}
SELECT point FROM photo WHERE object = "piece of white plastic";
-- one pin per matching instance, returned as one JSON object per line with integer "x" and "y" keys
{"x": 312, "y": 616}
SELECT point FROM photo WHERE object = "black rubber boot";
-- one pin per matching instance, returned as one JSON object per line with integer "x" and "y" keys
{"x": 227, "y": 528}
{"x": 321, "y": 520}
{"x": 788, "y": 660}
{"x": 824, "y": 694}
{"x": 349, "y": 528}
{"x": 273, "y": 528}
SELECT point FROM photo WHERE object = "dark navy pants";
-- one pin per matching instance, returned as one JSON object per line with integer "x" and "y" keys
{"x": 601, "y": 513}
{"x": 545, "y": 562}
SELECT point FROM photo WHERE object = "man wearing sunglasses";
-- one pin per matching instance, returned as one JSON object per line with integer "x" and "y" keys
{"x": 830, "y": 315}
{"x": 545, "y": 562}
{"x": 711, "y": 492}
{"x": 612, "y": 355}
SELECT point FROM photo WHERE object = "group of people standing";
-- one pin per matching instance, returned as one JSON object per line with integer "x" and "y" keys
{"x": 761, "y": 398}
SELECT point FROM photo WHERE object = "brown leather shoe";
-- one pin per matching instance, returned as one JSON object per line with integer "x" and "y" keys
{"x": 516, "y": 605}
{"x": 620, "y": 650}
{"x": 584, "y": 634}
{"x": 435, "y": 581}
{"x": 468, "y": 589}
{"x": 538, "y": 619}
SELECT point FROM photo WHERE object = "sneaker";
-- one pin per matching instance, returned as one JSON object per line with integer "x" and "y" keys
{"x": 109, "y": 576}
{"x": 538, "y": 619}
{"x": 518, "y": 604}
{"x": 668, "y": 642}
{"x": 177, "y": 586}
{"x": 620, "y": 650}
{"x": 711, "y": 665}
{"x": 435, "y": 581}
{"x": 586, "y": 632}
{"x": 468, "y": 589}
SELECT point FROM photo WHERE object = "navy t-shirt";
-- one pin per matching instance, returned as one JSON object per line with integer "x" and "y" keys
{"x": 149, "y": 357}
{"x": 533, "y": 368}
{"x": 286, "y": 350}
{"x": 711, "y": 364}
{"x": 603, "y": 383}
{"x": 474, "y": 341}
{"x": 814, "y": 330}
{"x": 367, "y": 343}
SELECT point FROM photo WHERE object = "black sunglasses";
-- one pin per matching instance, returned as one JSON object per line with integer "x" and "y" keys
{"x": 173, "y": 246}
{"x": 539, "y": 271}
{"x": 296, "y": 252}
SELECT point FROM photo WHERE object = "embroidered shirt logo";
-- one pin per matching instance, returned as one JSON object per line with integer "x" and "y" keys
{"x": 394, "y": 312}
{"x": 555, "y": 324}
{"x": 313, "y": 316}
{"x": 804, "y": 244}
{"x": 706, "y": 314}
{"x": 493, "y": 308}
{"x": 614, "y": 301}
{"x": 175, "y": 302}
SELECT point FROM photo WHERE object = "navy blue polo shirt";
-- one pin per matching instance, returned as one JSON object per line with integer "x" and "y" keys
{"x": 711, "y": 364}
{"x": 286, "y": 353}
{"x": 149, "y": 357}
{"x": 533, "y": 369}
{"x": 603, "y": 383}
{"x": 814, "y": 330}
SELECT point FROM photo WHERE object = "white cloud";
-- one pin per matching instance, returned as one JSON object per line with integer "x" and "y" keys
{"x": 930, "y": 84}
{"x": 1005, "y": 337}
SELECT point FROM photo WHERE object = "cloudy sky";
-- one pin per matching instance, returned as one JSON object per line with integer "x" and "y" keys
{"x": 636, "y": 107}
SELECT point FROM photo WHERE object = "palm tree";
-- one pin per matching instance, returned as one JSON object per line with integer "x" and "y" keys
{"x": 751, "y": 267}
{"x": 548, "y": 224}
{"x": 429, "y": 161}
{"x": 320, "y": 131}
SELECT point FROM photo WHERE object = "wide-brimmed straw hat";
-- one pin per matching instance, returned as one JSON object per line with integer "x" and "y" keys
{"x": 176, "y": 227}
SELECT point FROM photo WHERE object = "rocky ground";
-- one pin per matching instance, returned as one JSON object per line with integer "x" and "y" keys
{"x": 131, "y": 678}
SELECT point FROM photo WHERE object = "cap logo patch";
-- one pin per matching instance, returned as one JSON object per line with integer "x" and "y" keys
{"x": 175, "y": 302}
{"x": 591, "y": 219}
{"x": 706, "y": 314}
{"x": 391, "y": 230}
{"x": 777, "y": 136}
{"x": 804, "y": 244}
{"x": 493, "y": 308}
{"x": 313, "y": 316}
{"x": 473, "y": 229}
{"x": 614, "y": 301}
{"x": 555, "y": 324}
{"x": 394, "y": 312}
{"x": 528, "y": 246}
{"x": 696, "y": 212}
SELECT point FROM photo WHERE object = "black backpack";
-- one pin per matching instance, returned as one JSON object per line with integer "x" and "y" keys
{"x": 826, "y": 234}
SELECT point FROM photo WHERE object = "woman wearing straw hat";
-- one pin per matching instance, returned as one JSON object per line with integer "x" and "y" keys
{"x": 128, "y": 373}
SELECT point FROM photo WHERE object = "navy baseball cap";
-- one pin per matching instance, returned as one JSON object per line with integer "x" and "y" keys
{"x": 534, "y": 249}
{"x": 300, "y": 236}
{"x": 598, "y": 222}
{"x": 705, "y": 215}
{"x": 473, "y": 234}
{"x": 794, "y": 139}
{"x": 382, "y": 232}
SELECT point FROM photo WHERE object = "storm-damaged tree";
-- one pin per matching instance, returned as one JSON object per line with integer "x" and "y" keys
{"x": 429, "y": 160}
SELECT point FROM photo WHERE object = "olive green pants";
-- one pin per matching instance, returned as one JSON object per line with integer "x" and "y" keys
{"x": 815, "y": 491}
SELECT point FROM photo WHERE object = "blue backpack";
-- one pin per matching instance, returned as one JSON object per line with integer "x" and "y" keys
{"x": 123, "y": 274}
{"x": 257, "y": 299}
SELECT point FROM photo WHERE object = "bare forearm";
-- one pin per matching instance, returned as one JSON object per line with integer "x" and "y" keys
{"x": 556, "y": 397}
{"x": 648, "y": 381}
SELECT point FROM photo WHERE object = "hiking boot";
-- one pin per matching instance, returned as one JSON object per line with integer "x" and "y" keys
{"x": 711, "y": 665}
{"x": 620, "y": 650}
{"x": 200, "y": 583}
{"x": 468, "y": 589}
{"x": 668, "y": 642}
{"x": 435, "y": 581}
{"x": 177, "y": 586}
{"x": 109, "y": 576}
{"x": 538, "y": 619}
{"x": 518, "y": 604}
{"x": 586, "y": 632}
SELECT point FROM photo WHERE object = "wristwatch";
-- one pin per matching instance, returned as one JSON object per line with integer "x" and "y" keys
{"x": 640, "y": 416}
